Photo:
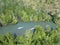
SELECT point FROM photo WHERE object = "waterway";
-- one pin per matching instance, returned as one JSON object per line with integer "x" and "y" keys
{"x": 21, "y": 27}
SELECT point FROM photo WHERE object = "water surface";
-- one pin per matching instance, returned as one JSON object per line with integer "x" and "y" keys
{"x": 25, "y": 26}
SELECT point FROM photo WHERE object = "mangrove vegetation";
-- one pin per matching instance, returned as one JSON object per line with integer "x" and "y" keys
{"x": 13, "y": 11}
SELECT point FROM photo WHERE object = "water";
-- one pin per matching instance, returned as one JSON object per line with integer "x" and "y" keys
{"x": 21, "y": 27}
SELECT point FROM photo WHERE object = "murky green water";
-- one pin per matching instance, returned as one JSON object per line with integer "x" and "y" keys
{"x": 26, "y": 26}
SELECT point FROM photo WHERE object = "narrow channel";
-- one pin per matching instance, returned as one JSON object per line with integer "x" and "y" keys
{"x": 21, "y": 27}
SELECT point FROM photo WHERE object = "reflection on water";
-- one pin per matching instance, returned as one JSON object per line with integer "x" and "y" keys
{"x": 21, "y": 27}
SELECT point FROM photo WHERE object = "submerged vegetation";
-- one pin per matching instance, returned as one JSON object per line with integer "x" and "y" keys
{"x": 39, "y": 36}
{"x": 28, "y": 10}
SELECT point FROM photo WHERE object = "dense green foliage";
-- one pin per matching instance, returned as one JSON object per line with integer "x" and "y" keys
{"x": 40, "y": 36}
{"x": 28, "y": 10}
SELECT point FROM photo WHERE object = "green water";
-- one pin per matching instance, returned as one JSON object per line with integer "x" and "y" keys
{"x": 26, "y": 26}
